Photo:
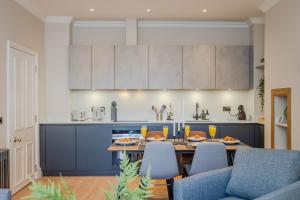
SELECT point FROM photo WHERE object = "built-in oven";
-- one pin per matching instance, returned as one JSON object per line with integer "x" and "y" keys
{"x": 127, "y": 131}
{"x": 122, "y": 131}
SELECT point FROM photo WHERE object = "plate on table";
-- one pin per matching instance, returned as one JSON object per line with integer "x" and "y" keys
{"x": 125, "y": 141}
{"x": 196, "y": 139}
{"x": 229, "y": 140}
{"x": 156, "y": 139}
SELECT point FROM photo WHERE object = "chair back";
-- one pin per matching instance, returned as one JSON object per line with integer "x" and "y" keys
{"x": 160, "y": 157}
{"x": 209, "y": 156}
{"x": 257, "y": 172}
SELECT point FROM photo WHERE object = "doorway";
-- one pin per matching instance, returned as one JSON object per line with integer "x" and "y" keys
{"x": 21, "y": 113}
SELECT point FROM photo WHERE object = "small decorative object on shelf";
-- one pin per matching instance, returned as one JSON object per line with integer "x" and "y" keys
{"x": 241, "y": 114}
{"x": 261, "y": 92}
{"x": 170, "y": 113}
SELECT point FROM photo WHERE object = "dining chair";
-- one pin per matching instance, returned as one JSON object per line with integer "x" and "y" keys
{"x": 208, "y": 156}
{"x": 160, "y": 159}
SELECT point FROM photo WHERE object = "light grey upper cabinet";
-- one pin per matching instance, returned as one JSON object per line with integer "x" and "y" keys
{"x": 80, "y": 67}
{"x": 232, "y": 67}
{"x": 131, "y": 67}
{"x": 103, "y": 67}
{"x": 199, "y": 71}
{"x": 165, "y": 67}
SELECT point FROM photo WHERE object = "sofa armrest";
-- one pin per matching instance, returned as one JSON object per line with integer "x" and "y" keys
{"x": 5, "y": 194}
{"x": 209, "y": 185}
{"x": 290, "y": 192}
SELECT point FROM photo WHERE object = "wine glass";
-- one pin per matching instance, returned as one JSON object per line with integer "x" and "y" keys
{"x": 166, "y": 132}
{"x": 212, "y": 131}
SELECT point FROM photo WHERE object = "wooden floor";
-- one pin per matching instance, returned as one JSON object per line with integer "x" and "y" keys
{"x": 90, "y": 187}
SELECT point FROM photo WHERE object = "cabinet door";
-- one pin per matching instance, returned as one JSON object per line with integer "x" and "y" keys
{"x": 232, "y": 67}
{"x": 60, "y": 148}
{"x": 80, "y": 67}
{"x": 259, "y": 136}
{"x": 103, "y": 67}
{"x": 199, "y": 67}
{"x": 92, "y": 144}
{"x": 165, "y": 67}
{"x": 131, "y": 70}
{"x": 244, "y": 133}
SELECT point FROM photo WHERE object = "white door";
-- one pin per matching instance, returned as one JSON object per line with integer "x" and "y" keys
{"x": 21, "y": 116}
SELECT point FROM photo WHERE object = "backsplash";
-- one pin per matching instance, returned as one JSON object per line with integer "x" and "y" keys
{"x": 136, "y": 104}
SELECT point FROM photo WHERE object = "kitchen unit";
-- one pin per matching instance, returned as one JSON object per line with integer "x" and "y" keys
{"x": 159, "y": 67}
{"x": 165, "y": 67}
{"x": 80, "y": 74}
{"x": 131, "y": 68}
{"x": 232, "y": 67}
{"x": 199, "y": 67}
{"x": 80, "y": 148}
{"x": 103, "y": 67}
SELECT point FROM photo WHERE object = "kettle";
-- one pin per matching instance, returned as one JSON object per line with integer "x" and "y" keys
{"x": 98, "y": 113}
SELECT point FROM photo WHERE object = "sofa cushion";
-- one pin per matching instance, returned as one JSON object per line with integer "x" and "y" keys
{"x": 260, "y": 171}
{"x": 231, "y": 198}
{"x": 5, "y": 194}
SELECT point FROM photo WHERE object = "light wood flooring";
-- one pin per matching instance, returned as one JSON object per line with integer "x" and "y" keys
{"x": 90, "y": 187}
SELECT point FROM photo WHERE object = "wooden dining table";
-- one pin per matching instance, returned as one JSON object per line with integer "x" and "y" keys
{"x": 180, "y": 148}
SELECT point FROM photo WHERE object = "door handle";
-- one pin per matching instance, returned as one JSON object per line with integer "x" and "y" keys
{"x": 17, "y": 139}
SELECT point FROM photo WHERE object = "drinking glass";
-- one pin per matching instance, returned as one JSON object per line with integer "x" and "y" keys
{"x": 144, "y": 130}
{"x": 166, "y": 131}
{"x": 187, "y": 130}
{"x": 212, "y": 131}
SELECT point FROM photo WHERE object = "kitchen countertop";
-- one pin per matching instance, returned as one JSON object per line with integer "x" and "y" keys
{"x": 215, "y": 121}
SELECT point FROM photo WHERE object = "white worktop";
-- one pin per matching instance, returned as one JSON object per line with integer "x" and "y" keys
{"x": 215, "y": 121}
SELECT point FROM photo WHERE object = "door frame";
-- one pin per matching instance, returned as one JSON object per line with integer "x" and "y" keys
{"x": 11, "y": 44}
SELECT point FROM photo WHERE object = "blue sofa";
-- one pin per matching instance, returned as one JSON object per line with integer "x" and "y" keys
{"x": 259, "y": 174}
{"x": 5, "y": 194}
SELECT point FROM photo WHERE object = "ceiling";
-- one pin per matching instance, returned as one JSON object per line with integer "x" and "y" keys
{"x": 233, "y": 10}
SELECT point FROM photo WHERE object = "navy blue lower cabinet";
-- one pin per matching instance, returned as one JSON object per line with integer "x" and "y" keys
{"x": 244, "y": 132}
{"x": 259, "y": 136}
{"x": 91, "y": 144}
{"x": 42, "y": 148}
{"x": 60, "y": 148}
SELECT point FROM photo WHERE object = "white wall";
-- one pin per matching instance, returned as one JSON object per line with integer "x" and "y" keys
{"x": 57, "y": 40}
{"x": 20, "y": 26}
{"x": 153, "y": 35}
{"x": 257, "y": 40}
{"x": 283, "y": 61}
{"x": 136, "y": 105}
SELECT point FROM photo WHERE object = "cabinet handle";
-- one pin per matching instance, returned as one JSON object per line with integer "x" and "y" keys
{"x": 19, "y": 140}
{"x": 15, "y": 140}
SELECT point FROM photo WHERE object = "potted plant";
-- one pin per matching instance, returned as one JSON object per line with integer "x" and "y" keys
{"x": 120, "y": 191}
{"x": 261, "y": 92}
